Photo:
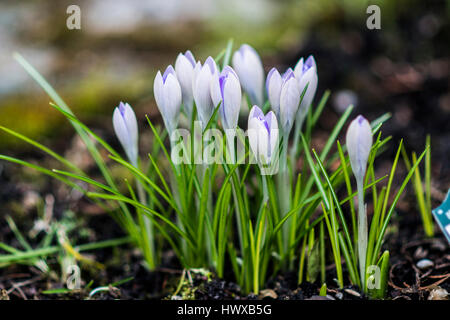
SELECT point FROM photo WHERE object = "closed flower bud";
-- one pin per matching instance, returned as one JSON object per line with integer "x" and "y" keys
{"x": 184, "y": 68}
{"x": 167, "y": 93}
{"x": 226, "y": 89}
{"x": 201, "y": 86}
{"x": 126, "y": 129}
{"x": 262, "y": 134}
{"x": 359, "y": 143}
{"x": 306, "y": 74}
{"x": 284, "y": 96}
{"x": 249, "y": 68}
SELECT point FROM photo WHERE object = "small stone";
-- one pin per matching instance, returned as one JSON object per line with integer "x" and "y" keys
{"x": 343, "y": 99}
{"x": 439, "y": 245}
{"x": 420, "y": 253}
{"x": 267, "y": 293}
{"x": 424, "y": 264}
{"x": 30, "y": 200}
{"x": 339, "y": 295}
{"x": 4, "y": 295}
{"x": 438, "y": 294}
{"x": 353, "y": 292}
{"x": 316, "y": 297}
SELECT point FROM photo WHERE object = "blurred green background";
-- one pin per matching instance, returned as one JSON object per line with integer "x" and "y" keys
{"x": 402, "y": 68}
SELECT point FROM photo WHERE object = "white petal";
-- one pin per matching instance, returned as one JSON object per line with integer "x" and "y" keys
{"x": 131, "y": 123}
{"x": 216, "y": 96}
{"x": 255, "y": 112}
{"x": 232, "y": 101}
{"x": 157, "y": 90}
{"x": 273, "y": 136}
{"x": 211, "y": 64}
{"x": 185, "y": 75}
{"x": 249, "y": 68}
{"x": 172, "y": 102}
{"x": 120, "y": 128}
{"x": 310, "y": 79}
{"x": 289, "y": 102}
{"x": 274, "y": 90}
{"x": 253, "y": 135}
{"x": 258, "y": 139}
{"x": 298, "y": 70}
{"x": 202, "y": 95}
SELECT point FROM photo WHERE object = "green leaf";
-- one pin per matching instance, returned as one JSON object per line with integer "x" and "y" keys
{"x": 392, "y": 208}
{"x": 43, "y": 148}
{"x": 58, "y": 291}
{"x": 228, "y": 51}
{"x": 323, "y": 290}
{"x": 313, "y": 265}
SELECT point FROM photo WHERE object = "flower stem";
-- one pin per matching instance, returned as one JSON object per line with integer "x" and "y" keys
{"x": 284, "y": 187}
{"x": 149, "y": 248}
{"x": 362, "y": 232}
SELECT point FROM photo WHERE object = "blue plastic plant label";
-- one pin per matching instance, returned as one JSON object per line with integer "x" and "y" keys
{"x": 442, "y": 216}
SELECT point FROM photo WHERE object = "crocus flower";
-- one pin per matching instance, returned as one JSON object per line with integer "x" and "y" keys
{"x": 203, "y": 76}
{"x": 249, "y": 68}
{"x": 306, "y": 74}
{"x": 262, "y": 134}
{"x": 167, "y": 93}
{"x": 184, "y": 67}
{"x": 226, "y": 89}
{"x": 359, "y": 143}
{"x": 126, "y": 129}
{"x": 284, "y": 96}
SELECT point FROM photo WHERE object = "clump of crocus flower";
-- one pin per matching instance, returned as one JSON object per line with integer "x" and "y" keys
{"x": 190, "y": 210}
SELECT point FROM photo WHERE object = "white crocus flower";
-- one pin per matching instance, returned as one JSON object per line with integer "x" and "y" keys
{"x": 306, "y": 74}
{"x": 184, "y": 68}
{"x": 201, "y": 87}
{"x": 167, "y": 91}
{"x": 126, "y": 129}
{"x": 359, "y": 143}
{"x": 249, "y": 68}
{"x": 263, "y": 135}
{"x": 284, "y": 96}
{"x": 226, "y": 90}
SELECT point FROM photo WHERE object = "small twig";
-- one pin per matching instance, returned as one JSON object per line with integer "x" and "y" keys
{"x": 167, "y": 270}
{"x": 435, "y": 284}
{"x": 17, "y": 287}
{"x": 19, "y": 293}
{"x": 440, "y": 276}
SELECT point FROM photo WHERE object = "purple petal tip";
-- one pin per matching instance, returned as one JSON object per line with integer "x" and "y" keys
{"x": 188, "y": 54}
{"x": 360, "y": 119}
{"x": 121, "y": 108}
{"x": 169, "y": 70}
